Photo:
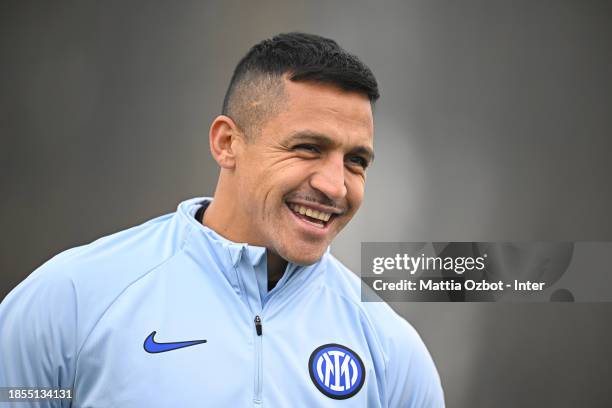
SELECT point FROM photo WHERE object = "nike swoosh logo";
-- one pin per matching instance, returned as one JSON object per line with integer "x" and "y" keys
{"x": 151, "y": 346}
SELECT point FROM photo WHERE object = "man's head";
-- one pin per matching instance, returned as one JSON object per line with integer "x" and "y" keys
{"x": 295, "y": 136}
{"x": 256, "y": 90}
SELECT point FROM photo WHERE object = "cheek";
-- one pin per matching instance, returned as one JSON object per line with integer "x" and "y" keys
{"x": 355, "y": 187}
{"x": 291, "y": 178}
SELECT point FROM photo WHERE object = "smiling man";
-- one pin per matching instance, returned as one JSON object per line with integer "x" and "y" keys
{"x": 292, "y": 183}
{"x": 236, "y": 300}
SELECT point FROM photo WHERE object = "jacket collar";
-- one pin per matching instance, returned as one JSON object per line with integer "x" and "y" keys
{"x": 243, "y": 265}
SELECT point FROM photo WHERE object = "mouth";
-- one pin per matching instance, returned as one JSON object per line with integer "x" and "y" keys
{"x": 314, "y": 217}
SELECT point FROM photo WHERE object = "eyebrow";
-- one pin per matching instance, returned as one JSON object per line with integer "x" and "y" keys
{"x": 327, "y": 141}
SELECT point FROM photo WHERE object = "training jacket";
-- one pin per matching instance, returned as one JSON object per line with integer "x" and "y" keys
{"x": 171, "y": 314}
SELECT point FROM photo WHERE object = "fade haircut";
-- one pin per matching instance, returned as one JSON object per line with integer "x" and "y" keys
{"x": 256, "y": 90}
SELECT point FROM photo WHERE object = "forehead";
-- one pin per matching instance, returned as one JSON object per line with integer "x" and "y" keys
{"x": 345, "y": 116}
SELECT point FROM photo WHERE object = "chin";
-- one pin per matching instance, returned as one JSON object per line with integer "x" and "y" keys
{"x": 304, "y": 258}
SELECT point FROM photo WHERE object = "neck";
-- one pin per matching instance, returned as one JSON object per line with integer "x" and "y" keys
{"x": 276, "y": 266}
{"x": 217, "y": 218}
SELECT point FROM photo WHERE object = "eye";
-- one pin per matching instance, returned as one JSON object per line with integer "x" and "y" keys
{"x": 358, "y": 160}
{"x": 308, "y": 148}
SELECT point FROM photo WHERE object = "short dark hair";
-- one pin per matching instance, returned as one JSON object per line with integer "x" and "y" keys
{"x": 303, "y": 57}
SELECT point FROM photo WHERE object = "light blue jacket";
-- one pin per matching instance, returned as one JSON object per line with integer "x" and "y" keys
{"x": 85, "y": 320}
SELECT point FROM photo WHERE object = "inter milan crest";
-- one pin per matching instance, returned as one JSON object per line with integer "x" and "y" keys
{"x": 336, "y": 370}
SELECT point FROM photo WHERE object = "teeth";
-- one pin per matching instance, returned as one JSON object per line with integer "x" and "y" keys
{"x": 309, "y": 212}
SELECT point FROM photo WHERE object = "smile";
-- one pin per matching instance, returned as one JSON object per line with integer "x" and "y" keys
{"x": 312, "y": 216}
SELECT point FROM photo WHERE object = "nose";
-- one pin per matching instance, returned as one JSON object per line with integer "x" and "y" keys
{"x": 329, "y": 178}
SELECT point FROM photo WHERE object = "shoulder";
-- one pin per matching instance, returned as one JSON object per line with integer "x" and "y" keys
{"x": 79, "y": 284}
{"x": 411, "y": 376}
{"x": 111, "y": 262}
{"x": 346, "y": 284}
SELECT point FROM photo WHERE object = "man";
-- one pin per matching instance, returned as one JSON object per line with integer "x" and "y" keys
{"x": 235, "y": 301}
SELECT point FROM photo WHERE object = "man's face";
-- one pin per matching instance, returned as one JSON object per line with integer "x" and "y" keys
{"x": 310, "y": 158}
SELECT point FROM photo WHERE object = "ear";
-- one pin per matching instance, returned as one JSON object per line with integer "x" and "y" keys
{"x": 223, "y": 135}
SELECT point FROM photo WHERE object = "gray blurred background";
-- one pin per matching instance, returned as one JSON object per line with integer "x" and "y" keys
{"x": 494, "y": 124}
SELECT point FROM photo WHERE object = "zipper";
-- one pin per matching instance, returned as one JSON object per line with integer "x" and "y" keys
{"x": 259, "y": 351}
{"x": 258, "y": 357}
{"x": 258, "y": 328}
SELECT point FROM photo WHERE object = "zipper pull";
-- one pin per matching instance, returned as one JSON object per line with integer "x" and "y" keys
{"x": 258, "y": 327}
